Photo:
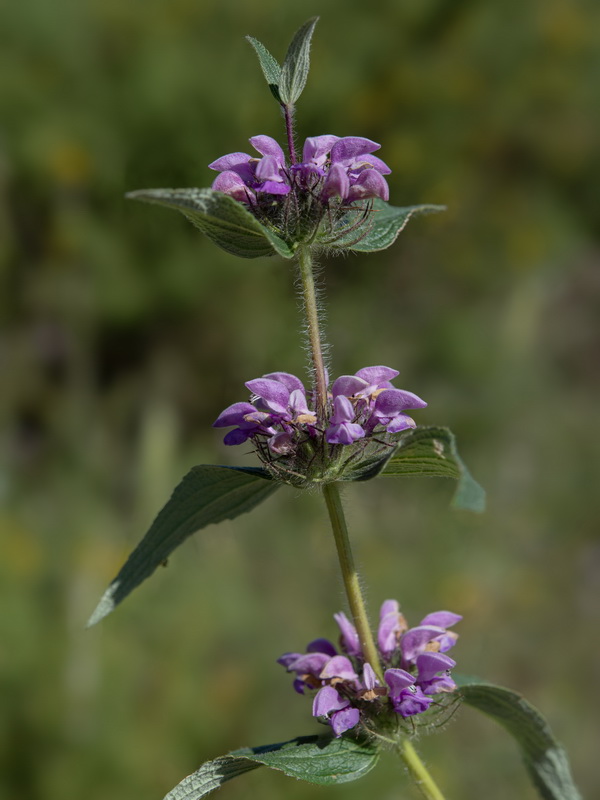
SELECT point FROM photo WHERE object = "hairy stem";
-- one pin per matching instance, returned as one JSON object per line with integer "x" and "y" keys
{"x": 331, "y": 494}
{"x": 419, "y": 771}
{"x": 288, "y": 112}
{"x": 311, "y": 310}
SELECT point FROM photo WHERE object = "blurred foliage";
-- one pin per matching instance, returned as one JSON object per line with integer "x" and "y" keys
{"x": 125, "y": 333}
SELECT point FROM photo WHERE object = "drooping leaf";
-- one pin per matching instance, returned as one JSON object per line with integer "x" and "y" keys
{"x": 546, "y": 761}
{"x": 269, "y": 65}
{"x": 294, "y": 71}
{"x": 226, "y": 222}
{"x": 384, "y": 226}
{"x": 431, "y": 452}
{"x": 316, "y": 759}
{"x": 206, "y": 495}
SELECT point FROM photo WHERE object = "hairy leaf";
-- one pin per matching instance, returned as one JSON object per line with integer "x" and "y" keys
{"x": 546, "y": 761}
{"x": 431, "y": 452}
{"x": 206, "y": 495}
{"x": 383, "y": 228}
{"x": 226, "y": 222}
{"x": 316, "y": 759}
{"x": 294, "y": 71}
{"x": 269, "y": 65}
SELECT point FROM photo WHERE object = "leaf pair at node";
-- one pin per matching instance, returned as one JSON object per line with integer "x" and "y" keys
{"x": 287, "y": 82}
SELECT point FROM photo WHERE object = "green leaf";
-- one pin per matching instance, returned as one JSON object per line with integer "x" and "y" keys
{"x": 269, "y": 65}
{"x": 384, "y": 226}
{"x": 431, "y": 452}
{"x": 206, "y": 495}
{"x": 316, "y": 759}
{"x": 226, "y": 222}
{"x": 296, "y": 64}
{"x": 546, "y": 761}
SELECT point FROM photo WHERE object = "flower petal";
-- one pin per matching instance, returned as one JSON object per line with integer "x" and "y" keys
{"x": 337, "y": 183}
{"x": 443, "y": 619}
{"x": 349, "y": 636}
{"x": 321, "y": 646}
{"x": 288, "y": 380}
{"x": 233, "y": 415}
{"x": 267, "y": 146}
{"x": 392, "y": 401}
{"x": 345, "y": 719}
{"x": 377, "y": 375}
{"x": 338, "y": 667}
{"x": 370, "y": 183}
{"x": 414, "y": 641}
{"x": 398, "y": 679}
{"x": 316, "y": 148}
{"x": 327, "y": 700}
{"x": 429, "y": 664}
{"x": 274, "y": 394}
{"x": 349, "y": 147}
{"x": 348, "y": 385}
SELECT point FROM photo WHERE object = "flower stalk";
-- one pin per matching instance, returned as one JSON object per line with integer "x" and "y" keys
{"x": 288, "y": 113}
{"x": 309, "y": 298}
{"x": 331, "y": 493}
{"x": 418, "y": 771}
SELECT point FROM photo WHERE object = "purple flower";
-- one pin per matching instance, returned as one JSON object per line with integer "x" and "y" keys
{"x": 341, "y": 429}
{"x": 363, "y": 412}
{"x": 331, "y": 168}
{"x": 392, "y": 625}
{"x": 347, "y": 688}
{"x": 406, "y": 697}
{"x": 336, "y": 709}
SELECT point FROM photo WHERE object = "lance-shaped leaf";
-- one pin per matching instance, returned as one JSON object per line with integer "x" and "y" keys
{"x": 383, "y": 227}
{"x": 546, "y": 761}
{"x": 316, "y": 759}
{"x": 206, "y": 495}
{"x": 226, "y": 222}
{"x": 294, "y": 71}
{"x": 431, "y": 452}
{"x": 269, "y": 65}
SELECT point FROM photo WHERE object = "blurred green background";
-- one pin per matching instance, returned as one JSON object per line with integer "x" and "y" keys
{"x": 125, "y": 332}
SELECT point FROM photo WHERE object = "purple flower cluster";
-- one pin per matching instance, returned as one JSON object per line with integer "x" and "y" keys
{"x": 331, "y": 167}
{"x": 348, "y": 690}
{"x": 359, "y": 406}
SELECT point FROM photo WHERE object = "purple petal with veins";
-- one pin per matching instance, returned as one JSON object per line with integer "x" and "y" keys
{"x": 316, "y": 148}
{"x": 414, "y": 641}
{"x": 233, "y": 184}
{"x": 349, "y": 147}
{"x": 338, "y": 667}
{"x": 288, "y": 380}
{"x": 444, "y": 619}
{"x": 311, "y": 663}
{"x": 402, "y": 422}
{"x": 273, "y": 393}
{"x": 337, "y": 183}
{"x": 369, "y": 183}
{"x": 233, "y": 415}
{"x": 348, "y": 385}
{"x": 377, "y": 375}
{"x": 328, "y": 700}
{"x": 344, "y": 720}
{"x": 267, "y": 146}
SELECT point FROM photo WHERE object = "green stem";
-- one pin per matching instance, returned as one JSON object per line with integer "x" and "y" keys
{"x": 331, "y": 493}
{"x": 333, "y": 500}
{"x": 309, "y": 297}
{"x": 419, "y": 771}
{"x": 409, "y": 755}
